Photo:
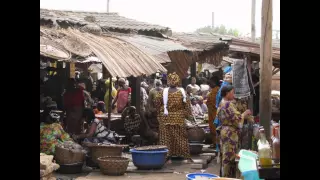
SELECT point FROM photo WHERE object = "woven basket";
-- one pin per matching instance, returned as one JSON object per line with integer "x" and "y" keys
{"x": 66, "y": 156}
{"x": 76, "y": 46}
{"x": 92, "y": 28}
{"x": 196, "y": 134}
{"x": 102, "y": 150}
{"x": 114, "y": 166}
{"x": 53, "y": 50}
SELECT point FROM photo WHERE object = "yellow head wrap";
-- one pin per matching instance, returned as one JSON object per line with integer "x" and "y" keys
{"x": 174, "y": 79}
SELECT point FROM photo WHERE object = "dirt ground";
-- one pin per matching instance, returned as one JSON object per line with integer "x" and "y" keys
{"x": 180, "y": 171}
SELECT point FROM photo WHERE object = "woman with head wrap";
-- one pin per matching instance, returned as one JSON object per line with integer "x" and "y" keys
{"x": 51, "y": 132}
{"x": 153, "y": 95}
{"x": 175, "y": 107}
{"x": 123, "y": 96}
{"x": 106, "y": 96}
{"x": 231, "y": 122}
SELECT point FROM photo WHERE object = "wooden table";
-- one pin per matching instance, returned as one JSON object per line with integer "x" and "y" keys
{"x": 272, "y": 172}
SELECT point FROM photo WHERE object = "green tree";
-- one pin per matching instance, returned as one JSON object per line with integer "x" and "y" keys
{"x": 219, "y": 30}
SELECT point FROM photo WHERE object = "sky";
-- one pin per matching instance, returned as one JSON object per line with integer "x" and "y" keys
{"x": 179, "y": 15}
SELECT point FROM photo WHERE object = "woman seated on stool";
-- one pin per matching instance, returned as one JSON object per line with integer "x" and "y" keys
{"x": 51, "y": 132}
{"x": 97, "y": 132}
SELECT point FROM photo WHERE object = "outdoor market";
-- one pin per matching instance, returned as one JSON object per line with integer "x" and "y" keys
{"x": 120, "y": 98}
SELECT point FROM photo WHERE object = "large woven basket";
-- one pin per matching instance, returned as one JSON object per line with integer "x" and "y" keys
{"x": 102, "y": 150}
{"x": 114, "y": 166}
{"x": 66, "y": 156}
{"x": 196, "y": 134}
{"x": 53, "y": 50}
{"x": 76, "y": 46}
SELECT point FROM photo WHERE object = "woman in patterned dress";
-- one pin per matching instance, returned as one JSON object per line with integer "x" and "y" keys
{"x": 212, "y": 109}
{"x": 97, "y": 132}
{"x": 231, "y": 120}
{"x": 51, "y": 132}
{"x": 174, "y": 108}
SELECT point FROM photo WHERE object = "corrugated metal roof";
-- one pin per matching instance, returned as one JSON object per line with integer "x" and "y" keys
{"x": 105, "y": 20}
{"x": 251, "y": 47}
{"x": 120, "y": 58}
{"x": 157, "y": 47}
{"x": 205, "y": 41}
{"x": 199, "y": 41}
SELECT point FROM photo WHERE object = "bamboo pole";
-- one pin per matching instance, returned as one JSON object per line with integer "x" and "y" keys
{"x": 266, "y": 66}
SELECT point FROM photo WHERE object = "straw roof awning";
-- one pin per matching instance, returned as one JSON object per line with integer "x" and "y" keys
{"x": 121, "y": 58}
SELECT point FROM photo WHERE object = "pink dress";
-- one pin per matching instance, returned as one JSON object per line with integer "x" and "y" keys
{"x": 123, "y": 98}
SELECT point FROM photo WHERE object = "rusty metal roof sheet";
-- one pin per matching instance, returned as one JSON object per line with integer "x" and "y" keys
{"x": 199, "y": 41}
{"x": 105, "y": 20}
{"x": 157, "y": 47}
{"x": 120, "y": 58}
{"x": 251, "y": 47}
{"x": 206, "y": 41}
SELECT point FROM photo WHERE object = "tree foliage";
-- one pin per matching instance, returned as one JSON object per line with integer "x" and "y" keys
{"x": 219, "y": 30}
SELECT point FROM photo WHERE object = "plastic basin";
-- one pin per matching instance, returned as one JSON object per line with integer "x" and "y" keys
{"x": 149, "y": 159}
{"x": 247, "y": 161}
{"x": 247, "y": 153}
{"x": 251, "y": 175}
{"x": 192, "y": 176}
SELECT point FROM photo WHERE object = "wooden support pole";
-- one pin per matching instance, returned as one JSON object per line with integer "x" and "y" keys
{"x": 105, "y": 73}
{"x": 136, "y": 94}
{"x": 266, "y": 66}
{"x": 193, "y": 69}
{"x": 110, "y": 103}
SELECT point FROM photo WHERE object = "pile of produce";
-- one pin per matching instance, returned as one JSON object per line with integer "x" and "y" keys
{"x": 47, "y": 167}
{"x": 69, "y": 152}
{"x": 72, "y": 146}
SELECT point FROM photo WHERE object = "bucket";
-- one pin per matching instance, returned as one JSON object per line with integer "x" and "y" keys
{"x": 248, "y": 153}
{"x": 192, "y": 176}
{"x": 251, "y": 175}
{"x": 247, "y": 161}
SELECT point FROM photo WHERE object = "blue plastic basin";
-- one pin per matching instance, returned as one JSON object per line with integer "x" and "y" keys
{"x": 192, "y": 176}
{"x": 251, "y": 175}
{"x": 149, "y": 159}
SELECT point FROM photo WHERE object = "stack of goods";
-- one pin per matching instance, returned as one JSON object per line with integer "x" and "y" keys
{"x": 72, "y": 146}
{"x": 70, "y": 154}
{"x": 47, "y": 167}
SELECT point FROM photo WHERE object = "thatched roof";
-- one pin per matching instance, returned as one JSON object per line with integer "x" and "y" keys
{"x": 108, "y": 21}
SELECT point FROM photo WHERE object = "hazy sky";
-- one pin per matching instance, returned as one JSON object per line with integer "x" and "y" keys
{"x": 179, "y": 15}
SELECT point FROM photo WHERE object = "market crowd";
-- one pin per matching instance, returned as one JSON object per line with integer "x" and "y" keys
{"x": 166, "y": 102}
